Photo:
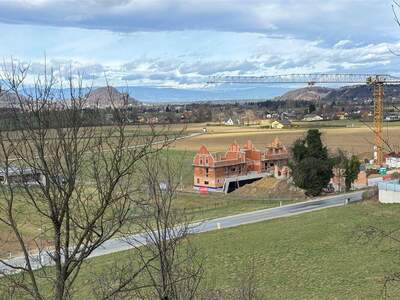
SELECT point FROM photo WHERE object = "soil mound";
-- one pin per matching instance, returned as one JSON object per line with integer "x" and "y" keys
{"x": 271, "y": 188}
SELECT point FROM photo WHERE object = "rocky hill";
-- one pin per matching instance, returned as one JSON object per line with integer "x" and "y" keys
{"x": 347, "y": 93}
{"x": 313, "y": 93}
{"x": 108, "y": 97}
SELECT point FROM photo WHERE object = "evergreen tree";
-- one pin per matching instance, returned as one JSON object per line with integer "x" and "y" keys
{"x": 352, "y": 170}
{"x": 311, "y": 165}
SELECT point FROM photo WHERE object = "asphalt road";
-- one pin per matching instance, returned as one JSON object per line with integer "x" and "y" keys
{"x": 120, "y": 244}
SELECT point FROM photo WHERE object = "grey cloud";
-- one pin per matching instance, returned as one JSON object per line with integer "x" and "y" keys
{"x": 330, "y": 20}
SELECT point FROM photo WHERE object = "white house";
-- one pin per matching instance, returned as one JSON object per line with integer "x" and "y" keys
{"x": 312, "y": 118}
{"x": 229, "y": 122}
{"x": 389, "y": 192}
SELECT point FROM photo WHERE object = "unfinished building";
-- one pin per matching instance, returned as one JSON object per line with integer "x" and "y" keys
{"x": 238, "y": 166}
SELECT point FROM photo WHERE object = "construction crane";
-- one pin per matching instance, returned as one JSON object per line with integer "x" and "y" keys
{"x": 377, "y": 81}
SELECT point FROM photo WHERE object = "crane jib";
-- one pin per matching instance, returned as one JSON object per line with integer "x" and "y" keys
{"x": 376, "y": 80}
{"x": 307, "y": 78}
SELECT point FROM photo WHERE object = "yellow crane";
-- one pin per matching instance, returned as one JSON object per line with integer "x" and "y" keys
{"x": 377, "y": 81}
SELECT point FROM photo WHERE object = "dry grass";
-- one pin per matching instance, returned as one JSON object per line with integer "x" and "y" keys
{"x": 354, "y": 140}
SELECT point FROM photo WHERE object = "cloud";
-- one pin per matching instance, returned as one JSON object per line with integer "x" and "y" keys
{"x": 311, "y": 57}
{"x": 343, "y": 44}
{"x": 328, "y": 19}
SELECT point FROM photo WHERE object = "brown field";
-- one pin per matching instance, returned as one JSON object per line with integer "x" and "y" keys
{"x": 355, "y": 140}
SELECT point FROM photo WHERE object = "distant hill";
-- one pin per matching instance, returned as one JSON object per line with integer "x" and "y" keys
{"x": 107, "y": 97}
{"x": 362, "y": 92}
{"x": 347, "y": 93}
{"x": 313, "y": 93}
{"x": 7, "y": 99}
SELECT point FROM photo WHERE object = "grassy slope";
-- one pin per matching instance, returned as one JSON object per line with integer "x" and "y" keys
{"x": 310, "y": 256}
{"x": 198, "y": 207}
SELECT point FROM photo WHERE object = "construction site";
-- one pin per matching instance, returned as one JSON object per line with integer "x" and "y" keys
{"x": 241, "y": 166}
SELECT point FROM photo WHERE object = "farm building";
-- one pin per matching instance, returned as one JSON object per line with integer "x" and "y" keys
{"x": 211, "y": 171}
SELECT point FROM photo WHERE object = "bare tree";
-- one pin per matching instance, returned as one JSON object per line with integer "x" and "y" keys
{"x": 173, "y": 266}
{"x": 79, "y": 184}
{"x": 178, "y": 269}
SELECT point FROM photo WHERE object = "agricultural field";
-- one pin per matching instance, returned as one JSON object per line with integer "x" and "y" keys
{"x": 317, "y": 255}
{"x": 358, "y": 139}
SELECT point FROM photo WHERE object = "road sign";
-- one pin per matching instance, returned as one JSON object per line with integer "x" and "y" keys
{"x": 383, "y": 171}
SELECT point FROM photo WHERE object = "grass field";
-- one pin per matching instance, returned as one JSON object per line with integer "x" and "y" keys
{"x": 197, "y": 207}
{"x": 312, "y": 256}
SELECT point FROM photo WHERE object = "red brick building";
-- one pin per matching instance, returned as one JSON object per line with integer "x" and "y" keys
{"x": 211, "y": 170}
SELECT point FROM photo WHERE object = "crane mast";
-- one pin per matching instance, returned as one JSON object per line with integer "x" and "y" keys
{"x": 377, "y": 81}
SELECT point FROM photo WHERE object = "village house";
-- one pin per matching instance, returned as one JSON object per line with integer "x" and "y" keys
{"x": 342, "y": 115}
{"x": 211, "y": 170}
{"x": 312, "y": 118}
{"x": 393, "y": 160}
{"x": 229, "y": 122}
{"x": 280, "y": 124}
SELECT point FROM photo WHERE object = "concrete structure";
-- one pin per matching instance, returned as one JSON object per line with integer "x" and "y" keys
{"x": 21, "y": 176}
{"x": 389, "y": 192}
{"x": 211, "y": 170}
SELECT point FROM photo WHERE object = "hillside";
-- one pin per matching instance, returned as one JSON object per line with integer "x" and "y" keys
{"x": 362, "y": 92}
{"x": 347, "y": 93}
{"x": 313, "y": 93}
{"x": 107, "y": 97}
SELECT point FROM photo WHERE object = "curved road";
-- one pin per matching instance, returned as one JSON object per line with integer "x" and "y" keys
{"x": 120, "y": 244}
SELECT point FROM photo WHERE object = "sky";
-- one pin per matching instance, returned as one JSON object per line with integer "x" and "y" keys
{"x": 178, "y": 44}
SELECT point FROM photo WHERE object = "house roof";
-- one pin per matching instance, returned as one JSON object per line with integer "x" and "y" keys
{"x": 393, "y": 154}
